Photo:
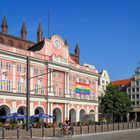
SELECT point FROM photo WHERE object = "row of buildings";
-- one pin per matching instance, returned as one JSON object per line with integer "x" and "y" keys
{"x": 132, "y": 87}
{"x": 59, "y": 84}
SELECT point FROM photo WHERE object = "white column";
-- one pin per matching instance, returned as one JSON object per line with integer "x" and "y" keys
{"x": 77, "y": 114}
{"x": 51, "y": 112}
{"x": 31, "y": 108}
{"x": 65, "y": 83}
{"x": 66, "y": 111}
{"x": 96, "y": 115}
{"x": 13, "y": 107}
{"x": 14, "y": 77}
{"x": 51, "y": 81}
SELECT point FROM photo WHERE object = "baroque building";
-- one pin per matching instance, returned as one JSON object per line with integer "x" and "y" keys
{"x": 59, "y": 84}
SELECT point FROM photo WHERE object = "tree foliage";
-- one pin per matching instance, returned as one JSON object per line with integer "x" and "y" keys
{"x": 115, "y": 102}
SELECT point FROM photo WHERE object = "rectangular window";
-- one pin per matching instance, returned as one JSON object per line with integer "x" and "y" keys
{"x": 84, "y": 81}
{"x": 54, "y": 91}
{"x": 42, "y": 89}
{"x": 36, "y": 89}
{"x": 1, "y": 86}
{"x": 74, "y": 79}
{"x": 74, "y": 94}
{"x": 41, "y": 71}
{"x": 80, "y": 80}
{"x": 19, "y": 68}
{"x": 19, "y": 87}
{"x": 53, "y": 74}
{"x": 60, "y": 92}
{"x": 137, "y": 89}
{"x": 133, "y": 96}
{"x": 35, "y": 71}
{"x": 0, "y": 64}
{"x": 137, "y": 96}
{"x": 137, "y": 102}
{"x": 137, "y": 83}
{"x": 133, "y": 89}
{"x": 8, "y": 66}
{"x": 8, "y": 86}
{"x": 70, "y": 92}
{"x": 25, "y": 69}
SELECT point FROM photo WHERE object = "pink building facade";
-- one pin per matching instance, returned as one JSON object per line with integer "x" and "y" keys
{"x": 53, "y": 90}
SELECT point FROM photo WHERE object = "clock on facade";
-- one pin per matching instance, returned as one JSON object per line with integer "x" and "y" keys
{"x": 57, "y": 44}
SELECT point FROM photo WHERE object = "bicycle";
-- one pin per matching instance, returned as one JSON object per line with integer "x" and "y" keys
{"x": 65, "y": 132}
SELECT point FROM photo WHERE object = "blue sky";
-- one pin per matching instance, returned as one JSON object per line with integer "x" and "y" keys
{"x": 108, "y": 31}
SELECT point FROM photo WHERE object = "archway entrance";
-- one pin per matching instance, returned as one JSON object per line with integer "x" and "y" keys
{"x": 57, "y": 115}
{"x": 4, "y": 109}
{"x": 72, "y": 115}
{"x": 39, "y": 110}
{"x": 21, "y": 110}
{"x": 82, "y": 114}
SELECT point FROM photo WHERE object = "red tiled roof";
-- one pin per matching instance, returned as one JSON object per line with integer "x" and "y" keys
{"x": 122, "y": 82}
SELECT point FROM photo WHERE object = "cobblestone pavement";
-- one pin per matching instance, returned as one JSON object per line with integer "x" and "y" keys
{"x": 116, "y": 135}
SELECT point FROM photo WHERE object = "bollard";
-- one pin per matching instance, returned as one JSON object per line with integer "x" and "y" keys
{"x": 132, "y": 125}
{"x": 118, "y": 126}
{"x": 53, "y": 130}
{"x": 136, "y": 125}
{"x": 107, "y": 127}
{"x": 43, "y": 131}
{"x": 113, "y": 126}
{"x": 17, "y": 132}
{"x": 31, "y": 132}
{"x": 95, "y": 128}
{"x": 81, "y": 129}
{"x": 88, "y": 128}
{"x": 127, "y": 125}
{"x": 3, "y": 132}
{"x": 123, "y": 125}
{"x": 101, "y": 127}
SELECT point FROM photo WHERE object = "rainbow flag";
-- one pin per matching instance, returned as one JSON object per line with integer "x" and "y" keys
{"x": 82, "y": 88}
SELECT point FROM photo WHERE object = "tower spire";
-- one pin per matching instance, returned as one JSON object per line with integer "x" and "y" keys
{"x": 23, "y": 31}
{"x": 77, "y": 53}
{"x": 4, "y": 25}
{"x": 39, "y": 33}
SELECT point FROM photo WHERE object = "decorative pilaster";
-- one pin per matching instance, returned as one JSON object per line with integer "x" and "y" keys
{"x": 13, "y": 107}
{"x": 31, "y": 80}
{"x": 48, "y": 111}
{"x": 77, "y": 114}
{"x": 14, "y": 77}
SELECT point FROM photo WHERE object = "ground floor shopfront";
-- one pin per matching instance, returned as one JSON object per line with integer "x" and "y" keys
{"x": 135, "y": 114}
{"x": 62, "y": 108}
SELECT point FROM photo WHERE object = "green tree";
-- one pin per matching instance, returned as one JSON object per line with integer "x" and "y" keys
{"x": 115, "y": 103}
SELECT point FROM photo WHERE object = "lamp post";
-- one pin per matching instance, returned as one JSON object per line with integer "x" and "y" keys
{"x": 28, "y": 91}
